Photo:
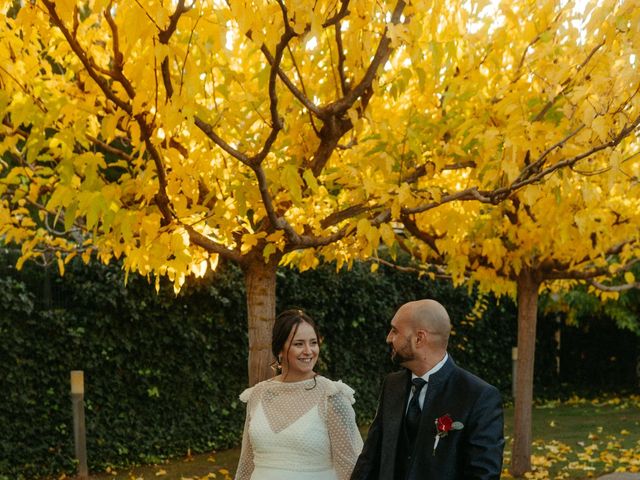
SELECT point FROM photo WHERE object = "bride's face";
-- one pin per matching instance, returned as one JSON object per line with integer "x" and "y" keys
{"x": 300, "y": 352}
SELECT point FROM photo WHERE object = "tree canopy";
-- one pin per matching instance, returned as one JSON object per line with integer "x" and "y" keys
{"x": 172, "y": 134}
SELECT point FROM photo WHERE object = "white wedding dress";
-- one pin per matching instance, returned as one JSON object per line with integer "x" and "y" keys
{"x": 299, "y": 431}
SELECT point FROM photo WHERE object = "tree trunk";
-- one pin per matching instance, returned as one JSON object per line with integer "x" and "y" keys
{"x": 528, "y": 284}
{"x": 260, "y": 281}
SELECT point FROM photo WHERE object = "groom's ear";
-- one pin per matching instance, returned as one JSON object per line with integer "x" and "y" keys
{"x": 421, "y": 337}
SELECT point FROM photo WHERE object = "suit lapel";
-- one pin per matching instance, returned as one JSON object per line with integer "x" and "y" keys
{"x": 395, "y": 402}
{"x": 432, "y": 407}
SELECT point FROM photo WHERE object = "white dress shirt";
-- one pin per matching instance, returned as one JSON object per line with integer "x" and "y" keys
{"x": 425, "y": 377}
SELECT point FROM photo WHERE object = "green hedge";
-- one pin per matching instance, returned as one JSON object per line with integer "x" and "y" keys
{"x": 163, "y": 373}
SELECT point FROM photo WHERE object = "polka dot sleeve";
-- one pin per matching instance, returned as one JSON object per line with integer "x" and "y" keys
{"x": 245, "y": 463}
{"x": 346, "y": 442}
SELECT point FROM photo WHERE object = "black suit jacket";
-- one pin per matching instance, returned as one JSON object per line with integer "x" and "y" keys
{"x": 473, "y": 453}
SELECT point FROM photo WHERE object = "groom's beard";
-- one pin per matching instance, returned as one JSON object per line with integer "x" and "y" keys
{"x": 403, "y": 354}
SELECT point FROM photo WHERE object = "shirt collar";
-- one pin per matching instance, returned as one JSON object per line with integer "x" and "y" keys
{"x": 435, "y": 368}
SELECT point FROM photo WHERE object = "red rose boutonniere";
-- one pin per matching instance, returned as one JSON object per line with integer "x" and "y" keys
{"x": 444, "y": 425}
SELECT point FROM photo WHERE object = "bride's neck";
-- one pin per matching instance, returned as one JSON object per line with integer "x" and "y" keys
{"x": 286, "y": 377}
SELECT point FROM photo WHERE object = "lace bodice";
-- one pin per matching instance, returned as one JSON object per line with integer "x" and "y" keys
{"x": 300, "y": 427}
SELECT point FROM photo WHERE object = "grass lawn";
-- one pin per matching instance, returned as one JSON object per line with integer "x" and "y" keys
{"x": 578, "y": 439}
{"x": 582, "y": 439}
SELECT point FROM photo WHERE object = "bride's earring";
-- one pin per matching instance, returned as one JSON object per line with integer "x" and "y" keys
{"x": 277, "y": 364}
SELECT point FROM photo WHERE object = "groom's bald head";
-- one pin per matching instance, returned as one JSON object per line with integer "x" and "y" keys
{"x": 430, "y": 316}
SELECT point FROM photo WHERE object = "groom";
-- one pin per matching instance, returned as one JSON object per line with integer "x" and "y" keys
{"x": 435, "y": 421}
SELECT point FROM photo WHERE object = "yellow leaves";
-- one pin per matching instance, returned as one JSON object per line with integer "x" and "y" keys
{"x": 397, "y": 34}
{"x": 594, "y": 454}
{"x": 510, "y": 165}
{"x": 108, "y": 126}
{"x": 402, "y": 198}
{"x": 591, "y": 194}
{"x": 62, "y": 197}
{"x": 269, "y": 249}
{"x": 291, "y": 180}
{"x": 601, "y": 127}
{"x": 93, "y": 205}
{"x": 308, "y": 260}
{"x": 606, "y": 296}
{"x": 310, "y": 180}
{"x": 23, "y": 109}
{"x": 531, "y": 194}
{"x": 368, "y": 233}
{"x": 387, "y": 234}
{"x": 65, "y": 8}
{"x": 99, "y": 5}
{"x": 494, "y": 250}
{"x": 250, "y": 240}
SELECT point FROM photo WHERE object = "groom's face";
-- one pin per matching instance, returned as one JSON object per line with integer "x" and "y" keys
{"x": 399, "y": 339}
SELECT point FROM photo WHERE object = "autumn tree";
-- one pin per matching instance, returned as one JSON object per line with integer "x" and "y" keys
{"x": 559, "y": 96}
{"x": 173, "y": 134}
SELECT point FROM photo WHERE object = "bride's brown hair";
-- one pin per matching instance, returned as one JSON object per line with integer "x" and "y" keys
{"x": 286, "y": 322}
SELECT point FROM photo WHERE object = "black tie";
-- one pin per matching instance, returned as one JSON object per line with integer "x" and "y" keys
{"x": 412, "y": 418}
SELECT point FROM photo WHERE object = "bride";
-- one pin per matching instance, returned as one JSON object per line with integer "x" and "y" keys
{"x": 299, "y": 425}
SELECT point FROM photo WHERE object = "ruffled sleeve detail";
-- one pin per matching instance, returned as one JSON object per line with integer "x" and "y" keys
{"x": 246, "y": 394}
{"x": 343, "y": 389}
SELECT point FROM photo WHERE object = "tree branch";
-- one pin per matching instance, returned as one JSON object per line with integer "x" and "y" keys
{"x": 308, "y": 241}
{"x": 146, "y": 130}
{"x": 534, "y": 41}
{"x": 215, "y": 138}
{"x": 379, "y": 58}
{"x": 186, "y": 55}
{"x": 108, "y": 148}
{"x": 84, "y": 59}
{"x": 517, "y": 184}
{"x": 276, "y": 121}
{"x": 414, "y": 230}
{"x": 613, "y": 288}
{"x": 335, "y": 124}
{"x": 297, "y": 93}
{"x": 213, "y": 247}
{"x": 342, "y": 13}
{"x": 349, "y": 212}
{"x": 118, "y": 59}
{"x": 164, "y": 36}
{"x": 566, "y": 84}
{"x": 304, "y": 90}
{"x": 277, "y": 222}
{"x": 421, "y": 171}
{"x": 535, "y": 166}
{"x": 463, "y": 195}
{"x": 438, "y": 273}
{"x": 331, "y": 132}
{"x": 344, "y": 83}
